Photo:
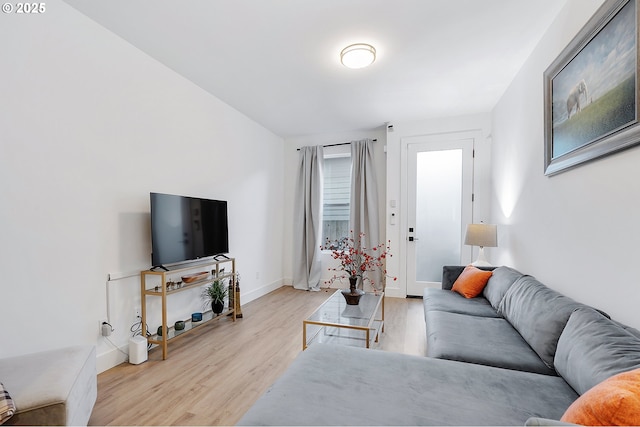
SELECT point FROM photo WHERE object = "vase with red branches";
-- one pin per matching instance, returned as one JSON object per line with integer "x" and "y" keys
{"x": 358, "y": 262}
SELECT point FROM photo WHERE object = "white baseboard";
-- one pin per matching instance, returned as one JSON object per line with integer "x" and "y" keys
{"x": 392, "y": 292}
{"x": 257, "y": 293}
{"x": 111, "y": 358}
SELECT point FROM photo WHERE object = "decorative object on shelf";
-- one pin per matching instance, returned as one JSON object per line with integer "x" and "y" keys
{"x": 238, "y": 309}
{"x": 215, "y": 293}
{"x": 358, "y": 262}
{"x": 190, "y": 278}
{"x": 196, "y": 317}
{"x": 179, "y": 325}
{"x": 160, "y": 330}
{"x": 232, "y": 294}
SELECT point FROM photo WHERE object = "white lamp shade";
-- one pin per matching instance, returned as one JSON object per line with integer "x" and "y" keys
{"x": 483, "y": 235}
{"x": 358, "y": 55}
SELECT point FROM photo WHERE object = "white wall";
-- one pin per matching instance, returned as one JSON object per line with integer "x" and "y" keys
{"x": 577, "y": 231}
{"x": 291, "y": 160}
{"x": 478, "y": 126}
{"x": 90, "y": 125}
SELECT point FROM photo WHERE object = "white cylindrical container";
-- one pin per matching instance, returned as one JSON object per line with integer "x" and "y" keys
{"x": 137, "y": 349}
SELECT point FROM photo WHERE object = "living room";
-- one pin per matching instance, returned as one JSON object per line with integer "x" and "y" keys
{"x": 92, "y": 125}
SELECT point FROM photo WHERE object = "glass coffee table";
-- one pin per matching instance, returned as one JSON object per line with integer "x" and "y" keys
{"x": 336, "y": 322}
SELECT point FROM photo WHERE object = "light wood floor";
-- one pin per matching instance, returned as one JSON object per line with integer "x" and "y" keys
{"x": 213, "y": 376}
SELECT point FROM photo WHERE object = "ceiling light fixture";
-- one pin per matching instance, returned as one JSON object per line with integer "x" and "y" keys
{"x": 358, "y": 55}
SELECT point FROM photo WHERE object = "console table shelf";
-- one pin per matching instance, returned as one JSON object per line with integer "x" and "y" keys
{"x": 160, "y": 281}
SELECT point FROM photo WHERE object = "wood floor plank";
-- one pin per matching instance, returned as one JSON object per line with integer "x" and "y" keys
{"x": 212, "y": 376}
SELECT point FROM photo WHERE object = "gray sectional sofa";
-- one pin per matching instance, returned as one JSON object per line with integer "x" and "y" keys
{"x": 518, "y": 353}
{"x": 55, "y": 387}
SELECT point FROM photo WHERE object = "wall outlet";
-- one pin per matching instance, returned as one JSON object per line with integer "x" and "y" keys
{"x": 105, "y": 328}
{"x": 136, "y": 312}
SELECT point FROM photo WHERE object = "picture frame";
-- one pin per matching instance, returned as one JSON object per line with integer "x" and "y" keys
{"x": 591, "y": 90}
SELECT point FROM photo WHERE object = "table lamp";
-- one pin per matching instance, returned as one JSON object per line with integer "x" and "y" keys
{"x": 481, "y": 235}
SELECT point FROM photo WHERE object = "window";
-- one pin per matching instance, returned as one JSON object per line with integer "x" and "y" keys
{"x": 336, "y": 199}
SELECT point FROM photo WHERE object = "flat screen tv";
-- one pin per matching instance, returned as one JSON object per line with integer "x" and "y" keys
{"x": 187, "y": 228}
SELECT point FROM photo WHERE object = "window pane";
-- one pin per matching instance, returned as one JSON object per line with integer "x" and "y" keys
{"x": 336, "y": 193}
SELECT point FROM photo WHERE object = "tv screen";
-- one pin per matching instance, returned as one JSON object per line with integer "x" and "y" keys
{"x": 187, "y": 228}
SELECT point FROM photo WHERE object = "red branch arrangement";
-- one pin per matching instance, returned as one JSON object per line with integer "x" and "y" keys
{"x": 356, "y": 260}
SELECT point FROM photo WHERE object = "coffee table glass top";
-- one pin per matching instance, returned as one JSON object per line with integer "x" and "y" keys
{"x": 335, "y": 321}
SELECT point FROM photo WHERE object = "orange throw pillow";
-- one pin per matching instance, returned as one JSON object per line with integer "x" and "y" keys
{"x": 613, "y": 402}
{"x": 471, "y": 281}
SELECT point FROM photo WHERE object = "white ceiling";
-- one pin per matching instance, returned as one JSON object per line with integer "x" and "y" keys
{"x": 277, "y": 61}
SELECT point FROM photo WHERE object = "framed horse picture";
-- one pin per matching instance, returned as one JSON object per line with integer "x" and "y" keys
{"x": 591, "y": 90}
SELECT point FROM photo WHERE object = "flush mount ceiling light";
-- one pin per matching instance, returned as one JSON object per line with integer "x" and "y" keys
{"x": 358, "y": 55}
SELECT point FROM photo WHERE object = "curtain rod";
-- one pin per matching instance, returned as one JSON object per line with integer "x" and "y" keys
{"x": 339, "y": 143}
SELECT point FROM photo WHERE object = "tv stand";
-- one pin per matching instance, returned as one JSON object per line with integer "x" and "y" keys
{"x": 158, "y": 266}
{"x": 155, "y": 283}
{"x": 217, "y": 257}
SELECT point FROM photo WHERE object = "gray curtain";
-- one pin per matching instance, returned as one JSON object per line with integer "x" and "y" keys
{"x": 307, "y": 221}
{"x": 364, "y": 199}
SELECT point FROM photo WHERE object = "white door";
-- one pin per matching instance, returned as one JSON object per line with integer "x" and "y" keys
{"x": 440, "y": 189}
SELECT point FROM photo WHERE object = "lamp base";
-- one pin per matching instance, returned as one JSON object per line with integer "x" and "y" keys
{"x": 482, "y": 260}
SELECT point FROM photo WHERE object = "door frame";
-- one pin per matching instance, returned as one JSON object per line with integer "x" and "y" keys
{"x": 475, "y": 135}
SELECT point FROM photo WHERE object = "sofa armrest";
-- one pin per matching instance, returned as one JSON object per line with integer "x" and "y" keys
{"x": 451, "y": 272}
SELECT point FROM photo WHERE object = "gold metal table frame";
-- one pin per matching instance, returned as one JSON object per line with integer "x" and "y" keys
{"x": 336, "y": 322}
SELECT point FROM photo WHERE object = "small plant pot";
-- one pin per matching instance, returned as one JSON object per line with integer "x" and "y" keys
{"x": 217, "y": 307}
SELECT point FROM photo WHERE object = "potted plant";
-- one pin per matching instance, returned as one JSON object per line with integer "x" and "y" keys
{"x": 214, "y": 294}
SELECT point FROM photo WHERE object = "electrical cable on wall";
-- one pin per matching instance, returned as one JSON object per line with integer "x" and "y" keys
{"x": 117, "y": 348}
{"x": 136, "y": 329}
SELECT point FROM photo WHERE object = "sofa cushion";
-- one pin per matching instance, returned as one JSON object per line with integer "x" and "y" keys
{"x": 360, "y": 386}
{"x": 499, "y": 282}
{"x": 451, "y": 272}
{"x": 613, "y": 402}
{"x": 483, "y": 340}
{"x": 441, "y": 300}
{"x": 538, "y": 313}
{"x": 471, "y": 282}
{"x": 593, "y": 348}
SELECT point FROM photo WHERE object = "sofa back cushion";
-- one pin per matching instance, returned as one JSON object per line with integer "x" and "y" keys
{"x": 538, "y": 313}
{"x": 500, "y": 281}
{"x": 629, "y": 329}
{"x": 593, "y": 348}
